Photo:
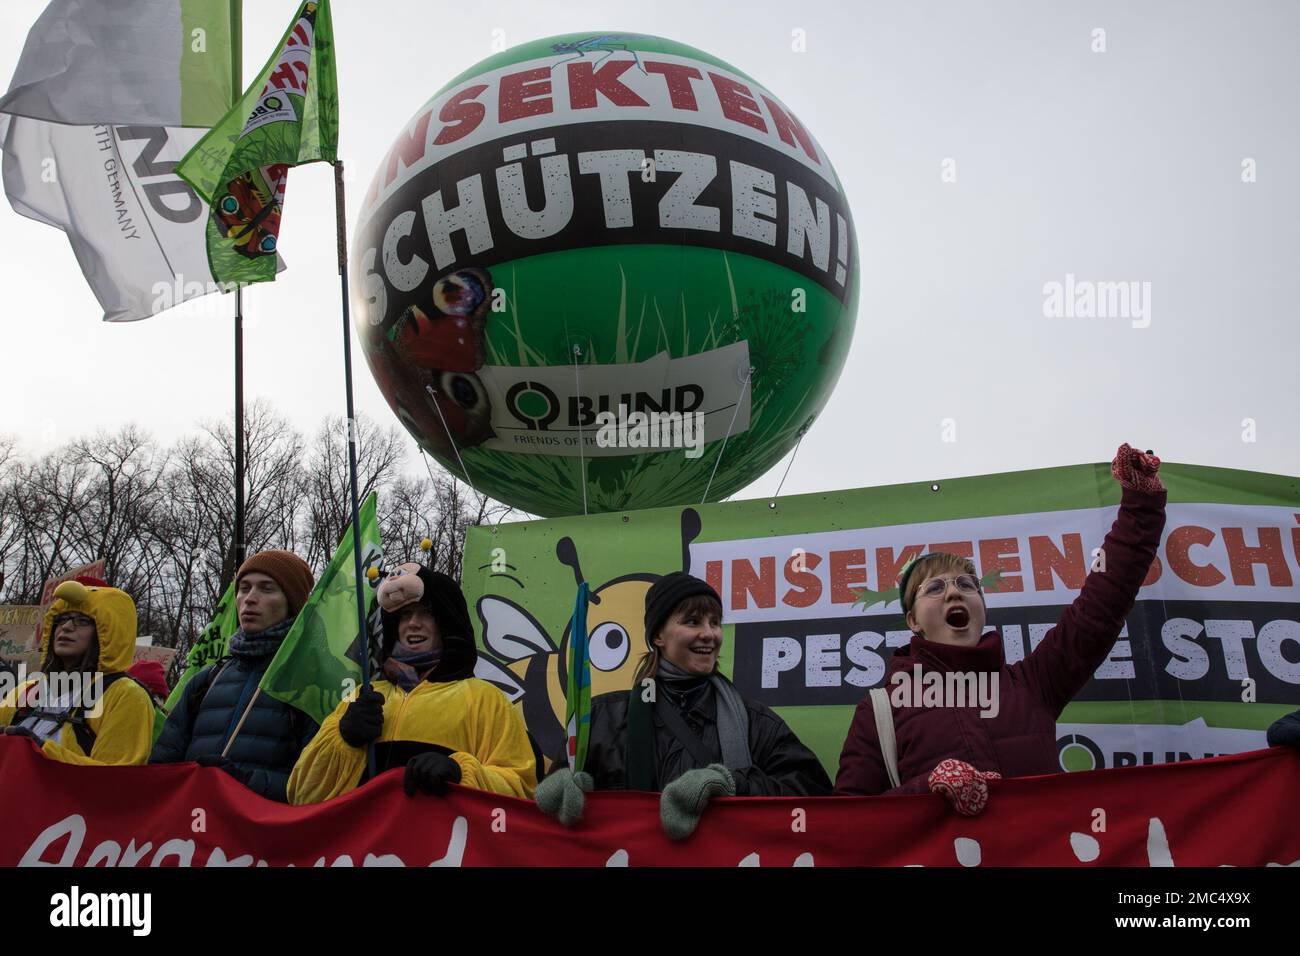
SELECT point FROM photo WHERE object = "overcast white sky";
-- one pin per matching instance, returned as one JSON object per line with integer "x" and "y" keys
{"x": 1122, "y": 165}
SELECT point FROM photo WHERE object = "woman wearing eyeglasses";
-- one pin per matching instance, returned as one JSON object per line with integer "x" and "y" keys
{"x": 909, "y": 742}
{"x": 82, "y": 708}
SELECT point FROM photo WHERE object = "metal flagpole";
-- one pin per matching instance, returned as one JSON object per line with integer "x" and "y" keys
{"x": 342, "y": 228}
{"x": 236, "y": 90}
{"x": 238, "y": 549}
{"x": 239, "y": 428}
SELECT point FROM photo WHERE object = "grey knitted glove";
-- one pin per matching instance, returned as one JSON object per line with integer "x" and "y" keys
{"x": 562, "y": 795}
{"x": 683, "y": 801}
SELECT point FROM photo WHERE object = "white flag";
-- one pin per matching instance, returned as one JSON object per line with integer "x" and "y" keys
{"x": 107, "y": 97}
{"x": 137, "y": 229}
{"x": 148, "y": 62}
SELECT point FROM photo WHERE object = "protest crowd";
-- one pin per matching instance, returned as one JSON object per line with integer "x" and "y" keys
{"x": 682, "y": 730}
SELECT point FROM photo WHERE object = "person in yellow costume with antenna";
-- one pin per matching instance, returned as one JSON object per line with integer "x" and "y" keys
{"x": 429, "y": 713}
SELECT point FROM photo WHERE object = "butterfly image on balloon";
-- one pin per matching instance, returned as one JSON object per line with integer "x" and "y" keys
{"x": 438, "y": 347}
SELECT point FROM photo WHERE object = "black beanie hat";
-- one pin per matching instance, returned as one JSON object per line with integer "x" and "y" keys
{"x": 664, "y": 596}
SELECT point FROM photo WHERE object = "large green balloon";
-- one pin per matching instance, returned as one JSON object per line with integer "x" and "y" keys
{"x": 605, "y": 223}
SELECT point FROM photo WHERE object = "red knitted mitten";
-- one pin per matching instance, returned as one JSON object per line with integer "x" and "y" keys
{"x": 1136, "y": 470}
{"x": 962, "y": 786}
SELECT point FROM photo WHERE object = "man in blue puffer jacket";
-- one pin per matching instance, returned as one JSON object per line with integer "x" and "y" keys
{"x": 270, "y": 589}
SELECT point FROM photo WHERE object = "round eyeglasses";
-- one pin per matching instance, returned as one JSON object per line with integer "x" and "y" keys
{"x": 938, "y": 587}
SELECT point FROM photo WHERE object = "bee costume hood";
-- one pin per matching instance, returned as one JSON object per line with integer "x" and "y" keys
{"x": 410, "y": 584}
{"x": 119, "y": 729}
{"x": 113, "y": 612}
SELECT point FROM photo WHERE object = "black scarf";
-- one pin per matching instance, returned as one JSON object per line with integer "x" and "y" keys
{"x": 261, "y": 644}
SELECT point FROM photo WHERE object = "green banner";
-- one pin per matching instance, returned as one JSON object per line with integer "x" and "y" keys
{"x": 1207, "y": 662}
{"x": 211, "y": 644}
{"x": 319, "y": 661}
{"x": 288, "y": 116}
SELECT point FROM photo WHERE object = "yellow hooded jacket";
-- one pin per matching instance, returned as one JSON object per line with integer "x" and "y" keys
{"x": 123, "y": 720}
{"x": 470, "y": 717}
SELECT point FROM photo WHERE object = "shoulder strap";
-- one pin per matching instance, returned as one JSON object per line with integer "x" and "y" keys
{"x": 212, "y": 681}
{"x": 85, "y": 736}
{"x": 80, "y": 729}
{"x": 678, "y": 727}
{"x": 215, "y": 674}
{"x": 885, "y": 731}
{"x": 638, "y": 744}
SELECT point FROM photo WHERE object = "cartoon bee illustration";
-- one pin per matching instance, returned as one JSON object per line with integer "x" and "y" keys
{"x": 429, "y": 359}
{"x": 249, "y": 211}
{"x": 521, "y": 658}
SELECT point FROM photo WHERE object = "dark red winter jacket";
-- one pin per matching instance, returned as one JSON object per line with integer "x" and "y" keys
{"x": 1021, "y": 740}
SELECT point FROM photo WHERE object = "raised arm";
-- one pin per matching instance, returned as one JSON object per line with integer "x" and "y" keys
{"x": 1086, "y": 632}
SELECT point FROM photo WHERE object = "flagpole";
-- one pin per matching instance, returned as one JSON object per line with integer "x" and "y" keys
{"x": 239, "y": 427}
{"x": 340, "y": 218}
{"x": 236, "y": 89}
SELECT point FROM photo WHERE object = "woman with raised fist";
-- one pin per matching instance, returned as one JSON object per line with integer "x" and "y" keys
{"x": 955, "y": 750}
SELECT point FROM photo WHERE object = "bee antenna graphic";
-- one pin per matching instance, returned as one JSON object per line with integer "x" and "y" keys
{"x": 690, "y": 531}
{"x": 568, "y": 555}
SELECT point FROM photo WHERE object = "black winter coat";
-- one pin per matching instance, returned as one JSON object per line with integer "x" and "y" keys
{"x": 1285, "y": 731}
{"x": 270, "y": 741}
{"x": 782, "y": 765}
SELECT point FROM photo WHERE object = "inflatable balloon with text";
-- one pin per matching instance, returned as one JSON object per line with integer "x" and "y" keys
{"x": 603, "y": 272}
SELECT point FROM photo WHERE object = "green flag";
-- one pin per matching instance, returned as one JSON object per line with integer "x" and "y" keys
{"x": 319, "y": 660}
{"x": 288, "y": 116}
{"x": 211, "y": 645}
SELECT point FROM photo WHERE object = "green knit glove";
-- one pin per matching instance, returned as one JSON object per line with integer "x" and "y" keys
{"x": 683, "y": 801}
{"x": 561, "y": 795}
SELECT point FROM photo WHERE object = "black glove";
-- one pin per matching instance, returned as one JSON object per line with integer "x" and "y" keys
{"x": 225, "y": 764}
{"x": 363, "y": 721}
{"x": 22, "y": 732}
{"x": 430, "y": 773}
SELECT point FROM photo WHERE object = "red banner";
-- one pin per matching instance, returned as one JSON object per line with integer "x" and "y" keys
{"x": 1236, "y": 810}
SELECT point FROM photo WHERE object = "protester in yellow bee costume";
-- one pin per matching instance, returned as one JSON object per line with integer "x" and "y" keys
{"x": 429, "y": 713}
